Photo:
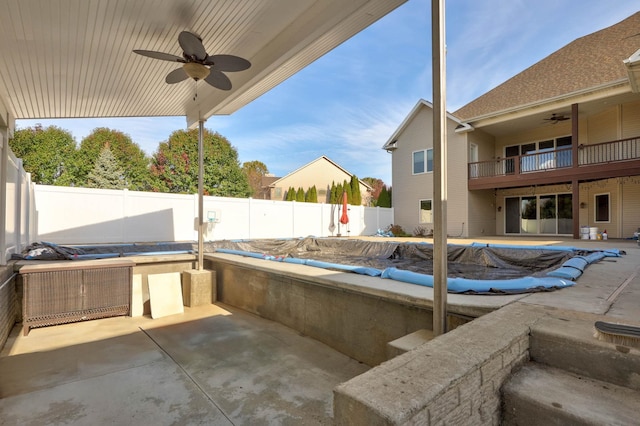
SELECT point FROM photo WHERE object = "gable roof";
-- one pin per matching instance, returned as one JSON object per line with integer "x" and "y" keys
{"x": 321, "y": 158}
{"x": 391, "y": 142}
{"x": 592, "y": 61}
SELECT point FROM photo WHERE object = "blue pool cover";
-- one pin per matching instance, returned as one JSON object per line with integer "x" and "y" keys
{"x": 477, "y": 268}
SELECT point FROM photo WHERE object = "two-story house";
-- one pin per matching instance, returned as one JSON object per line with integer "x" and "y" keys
{"x": 321, "y": 172}
{"x": 552, "y": 151}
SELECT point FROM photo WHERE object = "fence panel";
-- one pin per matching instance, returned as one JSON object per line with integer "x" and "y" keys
{"x": 93, "y": 216}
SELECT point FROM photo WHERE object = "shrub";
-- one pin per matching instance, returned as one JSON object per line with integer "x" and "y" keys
{"x": 397, "y": 230}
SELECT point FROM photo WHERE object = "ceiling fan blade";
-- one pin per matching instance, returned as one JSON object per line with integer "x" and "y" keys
{"x": 229, "y": 63}
{"x": 192, "y": 45}
{"x": 159, "y": 55}
{"x": 218, "y": 80}
{"x": 176, "y": 76}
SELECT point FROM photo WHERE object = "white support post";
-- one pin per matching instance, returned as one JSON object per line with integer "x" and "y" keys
{"x": 4, "y": 165}
{"x": 200, "y": 195}
{"x": 18, "y": 207}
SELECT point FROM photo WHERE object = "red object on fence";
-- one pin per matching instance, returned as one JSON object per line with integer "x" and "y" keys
{"x": 344, "y": 218}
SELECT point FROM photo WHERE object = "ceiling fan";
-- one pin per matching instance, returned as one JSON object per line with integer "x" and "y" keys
{"x": 198, "y": 64}
{"x": 556, "y": 117}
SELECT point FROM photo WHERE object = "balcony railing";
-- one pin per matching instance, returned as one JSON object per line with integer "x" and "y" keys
{"x": 622, "y": 150}
{"x": 608, "y": 152}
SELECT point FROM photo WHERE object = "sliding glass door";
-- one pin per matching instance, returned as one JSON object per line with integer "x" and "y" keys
{"x": 549, "y": 214}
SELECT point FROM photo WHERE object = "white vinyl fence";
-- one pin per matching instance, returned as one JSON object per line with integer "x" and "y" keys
{"x": 17, "y": 227}
{"x": 92, "y": 216}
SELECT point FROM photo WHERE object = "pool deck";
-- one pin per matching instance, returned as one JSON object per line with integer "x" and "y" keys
{"x": 219, "y": 365}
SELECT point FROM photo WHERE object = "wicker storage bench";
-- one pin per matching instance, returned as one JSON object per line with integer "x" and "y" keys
{"x": 62, "y": 292}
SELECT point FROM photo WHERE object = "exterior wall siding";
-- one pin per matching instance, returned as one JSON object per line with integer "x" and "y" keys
{"x": 409, "y": 189}
{"x": 602, "y": 127}
{"x": 630, "y": 120}
{"x": 630, "y": 222}
{"x": 588, "y": 191}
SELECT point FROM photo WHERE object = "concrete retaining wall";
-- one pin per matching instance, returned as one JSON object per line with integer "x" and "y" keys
{"x": 454, "y": 379}
{"x": 350, "y": 320}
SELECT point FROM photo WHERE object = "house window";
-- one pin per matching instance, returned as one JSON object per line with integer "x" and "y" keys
{"x": 543, "y": 155}
{"x": 278, "y": 193}
{"x": 426, "y": 211}
{"x": 603, "y": 207}
{"x": 422, "y": 161}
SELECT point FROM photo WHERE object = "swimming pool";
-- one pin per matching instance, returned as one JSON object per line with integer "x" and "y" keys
{"x": 475, "y": 268}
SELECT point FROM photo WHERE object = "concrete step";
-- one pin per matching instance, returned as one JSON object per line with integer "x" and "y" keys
{"x": 569, "y": 344}
{"x": 408, "y": 342}
{"x": 542, "y": 395}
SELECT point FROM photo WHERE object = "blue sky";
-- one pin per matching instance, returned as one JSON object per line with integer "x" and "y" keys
{"x": 349, "y": 102}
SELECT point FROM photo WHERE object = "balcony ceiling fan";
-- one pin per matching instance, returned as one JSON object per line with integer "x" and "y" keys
{"x": 198, "y": 64}
{"x": 555, "y": 118}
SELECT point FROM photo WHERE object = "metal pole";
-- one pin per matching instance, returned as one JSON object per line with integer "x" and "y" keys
{"x": 439, "y": 169}
{"x": 200, "y": 195}
{"x": 4, "y": 163}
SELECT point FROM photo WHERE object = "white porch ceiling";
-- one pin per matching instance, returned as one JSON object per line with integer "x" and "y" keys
{"x": 73, "y": 58}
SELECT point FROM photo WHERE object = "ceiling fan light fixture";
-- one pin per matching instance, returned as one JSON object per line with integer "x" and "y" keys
{"x": 195, "y": 70}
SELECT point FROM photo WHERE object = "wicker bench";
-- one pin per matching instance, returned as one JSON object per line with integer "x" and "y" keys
{"x": 62, "y": 292}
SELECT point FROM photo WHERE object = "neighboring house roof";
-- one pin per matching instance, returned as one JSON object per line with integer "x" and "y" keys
{"x": 321, "y": 158}
{"x": 391, "y": 142}
{"x": 268, "y": 180}
{"x": 592, "y": 61}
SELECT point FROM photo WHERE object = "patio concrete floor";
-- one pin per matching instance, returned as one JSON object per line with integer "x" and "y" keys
{"x": 214, "y": 365}
{"x": 217, "y": 365}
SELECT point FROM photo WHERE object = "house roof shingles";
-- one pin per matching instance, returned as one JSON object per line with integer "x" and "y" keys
{"x": 587, "y": 62}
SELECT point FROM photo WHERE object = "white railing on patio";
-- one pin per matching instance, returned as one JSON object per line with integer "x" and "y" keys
{"x": 92, "y": 216}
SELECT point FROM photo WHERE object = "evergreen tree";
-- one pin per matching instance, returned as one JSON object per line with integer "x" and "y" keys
{"x": 384, "y": 199}
{"x": 130, "y": 158}
{"x": 314, "y": 194}
{"x": 106, "y": 173}
{"x": 300, "y": 195}
{"x": 339, "y": 191}
{"x": 333, "y": 195}
{"x": 347, "y": 188}
{"x": 291, "y": 194}
{"x": 355, "y": 190}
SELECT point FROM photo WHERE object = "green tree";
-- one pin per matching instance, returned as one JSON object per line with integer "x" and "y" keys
{"x": 312, "y": 195}
{"x": 347, "y": 188}
{"x": 300, "y": 195}
{"x": 129, "y": 156}
{"x": 255, "y": 171}
{"x": 333, "y": 195}
{"x": 291, "y": 194}
{"x": 339, "y": 191}
{"x": 356, "y": 196}
{"x": 47, "y": 153}
{"x": 106, "y": 173}
{"x": 384, "y": 199}
{"x": 174, "y": 165}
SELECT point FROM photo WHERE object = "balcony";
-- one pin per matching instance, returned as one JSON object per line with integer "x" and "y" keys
{"x": 598, "y": 161}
